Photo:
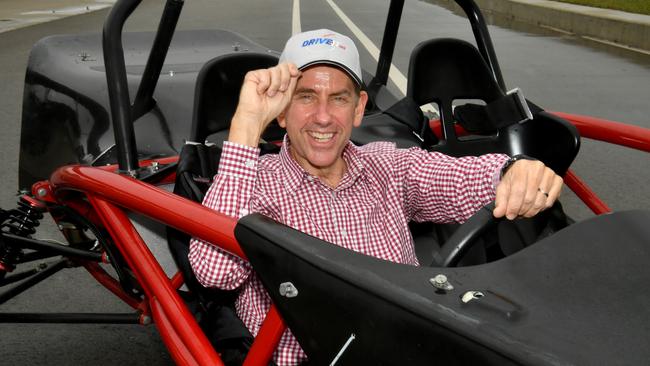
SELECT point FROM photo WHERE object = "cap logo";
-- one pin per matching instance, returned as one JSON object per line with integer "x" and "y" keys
{"x": 322, "y": 40}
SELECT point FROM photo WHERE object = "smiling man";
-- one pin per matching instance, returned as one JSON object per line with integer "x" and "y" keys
{"x": 361, "y": 198}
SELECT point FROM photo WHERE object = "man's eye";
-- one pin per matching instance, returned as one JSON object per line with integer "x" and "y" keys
{"x": 305, "y": 98}
{"x": 340, "y": 100}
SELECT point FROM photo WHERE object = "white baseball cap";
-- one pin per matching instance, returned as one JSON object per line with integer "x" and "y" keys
{"x": 323, "y": 46}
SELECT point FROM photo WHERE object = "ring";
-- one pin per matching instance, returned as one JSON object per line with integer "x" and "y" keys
{"x": 544, "y": 193}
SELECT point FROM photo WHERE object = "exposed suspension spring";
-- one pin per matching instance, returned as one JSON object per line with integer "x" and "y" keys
{"x": 21, "y": 221}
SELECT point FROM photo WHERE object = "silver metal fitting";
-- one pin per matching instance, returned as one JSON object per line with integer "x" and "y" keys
{"x": 440, "y": 282}
{"x": 471, "y": 295}
{"x": 287, "y": 289}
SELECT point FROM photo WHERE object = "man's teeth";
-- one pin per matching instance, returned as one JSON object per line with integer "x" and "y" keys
{"x": 321, "y": 136}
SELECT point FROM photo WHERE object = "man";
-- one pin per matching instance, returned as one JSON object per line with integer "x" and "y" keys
{"x": 361, "y": 198}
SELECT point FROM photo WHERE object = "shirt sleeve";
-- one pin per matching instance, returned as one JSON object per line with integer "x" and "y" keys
{"x": 441, "y": 188}
{"x": 230, "y": 194}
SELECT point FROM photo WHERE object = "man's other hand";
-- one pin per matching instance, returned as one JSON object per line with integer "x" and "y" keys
{"x": 527, "y": 188}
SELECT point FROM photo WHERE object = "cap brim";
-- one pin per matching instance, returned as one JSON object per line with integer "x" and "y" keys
{"x": 340, "y": 66}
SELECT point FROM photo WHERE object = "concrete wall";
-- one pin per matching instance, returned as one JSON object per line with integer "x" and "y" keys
{"x": 614, "y": 26}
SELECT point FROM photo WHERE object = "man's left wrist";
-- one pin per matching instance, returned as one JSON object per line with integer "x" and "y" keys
{"x": 513, "y": 159}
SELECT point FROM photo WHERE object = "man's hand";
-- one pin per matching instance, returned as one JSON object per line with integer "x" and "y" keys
{"x": 527, "y": 188}
{"x": 264, "y": 94}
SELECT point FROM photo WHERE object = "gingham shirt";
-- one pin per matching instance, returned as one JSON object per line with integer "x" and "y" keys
{"x": 383, "y": 189}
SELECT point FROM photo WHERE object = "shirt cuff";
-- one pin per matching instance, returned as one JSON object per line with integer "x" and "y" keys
{"x": 239, "y": 160}
{"x": 500, "y": 163}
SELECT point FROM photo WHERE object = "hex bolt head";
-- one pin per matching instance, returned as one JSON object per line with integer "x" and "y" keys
{"x": 287, "y": 289}
{"x": 441, "y": 282}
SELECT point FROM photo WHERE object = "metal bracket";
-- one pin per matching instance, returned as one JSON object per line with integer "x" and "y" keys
{"x": 523, "y": 105}
{"x": 287, "y": 289}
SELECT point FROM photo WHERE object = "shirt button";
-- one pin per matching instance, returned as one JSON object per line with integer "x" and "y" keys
{"x": 249, "y": 163}
{"x": 344, "y": 233}
{"x": 243, "y": 212}
{"x": 333, "y": 195}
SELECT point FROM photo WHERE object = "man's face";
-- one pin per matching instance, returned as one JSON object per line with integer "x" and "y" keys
{"x": 320, "y": 117}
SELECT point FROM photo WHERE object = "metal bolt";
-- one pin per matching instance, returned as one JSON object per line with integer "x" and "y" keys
{"x": 440, "y": 282}
{"x": 287, "y": 289}
{"x": 42, "y": 192}
{"x": 145, "y": 320}
{"x": 171, "y": 72}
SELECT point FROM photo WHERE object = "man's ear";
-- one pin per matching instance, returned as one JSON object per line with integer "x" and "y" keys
{"x": 282, "y": 120}
{"x": 360, "y": 109}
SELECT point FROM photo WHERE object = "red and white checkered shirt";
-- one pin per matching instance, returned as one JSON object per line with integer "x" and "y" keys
{"x": 383, "y": 189}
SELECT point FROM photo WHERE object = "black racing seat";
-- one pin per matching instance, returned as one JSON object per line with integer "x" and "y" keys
{"x": 216, "y": 96}
{"x": 448, "y": 72}
{"x": 217, "y": 92}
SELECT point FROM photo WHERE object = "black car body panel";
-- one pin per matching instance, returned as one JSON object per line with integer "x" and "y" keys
{"x": 547, "y": 305}
{"x": 66, "y": 114}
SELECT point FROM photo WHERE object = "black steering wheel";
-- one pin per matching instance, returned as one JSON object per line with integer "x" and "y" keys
{"x": 465, "y": 237}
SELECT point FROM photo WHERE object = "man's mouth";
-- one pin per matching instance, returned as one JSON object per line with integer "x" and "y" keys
{"x": 321, "y": 136}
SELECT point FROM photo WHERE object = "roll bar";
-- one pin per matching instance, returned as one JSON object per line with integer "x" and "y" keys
{"x": 479, "y": 28}
{"x": 123, "y": 114}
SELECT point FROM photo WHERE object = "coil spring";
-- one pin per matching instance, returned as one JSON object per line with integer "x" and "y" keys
{"x": 21, "y": 221}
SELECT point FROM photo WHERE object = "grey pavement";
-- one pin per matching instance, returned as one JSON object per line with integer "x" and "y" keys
{"x": 601, "y": 25}
{"x": 15, "y": 14}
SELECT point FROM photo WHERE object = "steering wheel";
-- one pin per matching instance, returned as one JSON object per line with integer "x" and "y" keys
{"x": 465, "y": 237}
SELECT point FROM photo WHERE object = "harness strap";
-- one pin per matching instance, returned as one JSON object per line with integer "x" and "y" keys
{"x": 505, "y": 111}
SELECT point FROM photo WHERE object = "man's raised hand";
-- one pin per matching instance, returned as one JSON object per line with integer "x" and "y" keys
{"x": 264, "y": 95}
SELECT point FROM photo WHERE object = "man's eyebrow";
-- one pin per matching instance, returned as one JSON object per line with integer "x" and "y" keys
{"x": 304, "y": 90}
{"x": 343, "y": 92}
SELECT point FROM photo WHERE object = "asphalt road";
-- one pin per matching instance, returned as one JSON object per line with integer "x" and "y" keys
{"x": 557, "y": 71}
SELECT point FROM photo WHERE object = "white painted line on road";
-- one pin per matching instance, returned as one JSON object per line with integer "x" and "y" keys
{"x": 295, "y": 18}
{"x": 610, "y": 43}
{"x": 394, "y": 74}
{"x": 594, "y": 39}
{"x": 556, "y": 29}
{"x": 73, "y": 10}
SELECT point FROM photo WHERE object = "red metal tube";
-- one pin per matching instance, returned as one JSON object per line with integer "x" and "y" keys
{"x": 160, "y": 205}
{"x": 110, "y": 283}
{"x": 155, "y": 283}
{"x": 634, "y": 137}
{"x": 267, "y": 339}
{"x": 584, "y": 192}
{"x": 178, "y": 280}
{"x": 178, "y": 351}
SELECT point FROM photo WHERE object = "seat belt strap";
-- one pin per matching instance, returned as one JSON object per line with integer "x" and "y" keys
{"x": 505, "y": 111}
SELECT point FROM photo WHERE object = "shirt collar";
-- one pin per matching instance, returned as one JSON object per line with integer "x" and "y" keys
{"x": 295, "y": 175}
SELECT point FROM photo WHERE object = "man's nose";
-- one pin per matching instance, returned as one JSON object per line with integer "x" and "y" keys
{"x": 322, "y": 113}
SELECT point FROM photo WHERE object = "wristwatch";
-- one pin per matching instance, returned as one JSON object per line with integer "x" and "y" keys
{"x": 512, "y": 160}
